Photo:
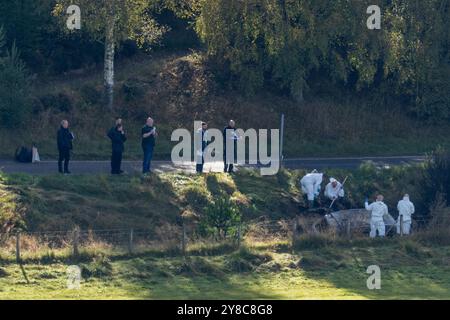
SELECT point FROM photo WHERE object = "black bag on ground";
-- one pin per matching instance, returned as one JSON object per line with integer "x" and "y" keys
{"x": 24, "y": 154}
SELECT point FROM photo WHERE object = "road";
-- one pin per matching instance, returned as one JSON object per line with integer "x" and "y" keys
{"x": 102, "y": 167}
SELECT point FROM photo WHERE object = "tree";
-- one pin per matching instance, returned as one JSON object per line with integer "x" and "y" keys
{"x": 15, "y": 103}
{"x": 220, "y": 217}
{"x": 111, "y": 22}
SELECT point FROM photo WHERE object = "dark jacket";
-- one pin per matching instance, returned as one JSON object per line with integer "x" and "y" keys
{"x": 228, "y": 134}
{"x": 117, "y": 139}
{"x": 65, "y": 138}
{"x": 149, "y": 141}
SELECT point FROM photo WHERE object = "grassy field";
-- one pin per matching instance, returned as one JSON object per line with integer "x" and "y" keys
{"x": 408, "y": 271}
{"x": 324, "y": 267}
{"x": 177, "y": 89}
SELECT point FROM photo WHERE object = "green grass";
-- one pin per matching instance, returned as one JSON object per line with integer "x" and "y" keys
{"x": 55, "y": 202}
{"x": 175, "y": 99}
{"x": 330, "y": 273}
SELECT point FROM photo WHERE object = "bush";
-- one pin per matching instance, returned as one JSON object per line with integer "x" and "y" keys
{"x": 15, "y": 97}
{"x": 436, "y": 179}
{"x": 133, "y": 89}
{"x": 90, "y": 94}
{"x": 99, "y": 267}
{"x": 60, "y": 102}
{"x": 221, "y": 217}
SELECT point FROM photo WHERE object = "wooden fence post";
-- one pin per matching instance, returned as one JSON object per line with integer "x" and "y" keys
{"x": 75, "y": 241}
{"x": 349, "y": 228}
{"x": 183, "y": 240}
{"x": 130, "y": 241}
{"x": 294, "y": 232}
{"x": 239, "y": 235}
{"x": 401, "y": 225}
{"x": 18, "y": 259}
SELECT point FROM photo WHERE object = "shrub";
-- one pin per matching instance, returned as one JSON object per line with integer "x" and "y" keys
{"x": 436, "y": 179}
{"x": 99, "y": 267}
{"x": 133, "y": 89}
{"x": 15, "y": 97}
{"x": 221, "y": 217}
{"x": 90, "y": 94}
{"x": 60, "y": 101}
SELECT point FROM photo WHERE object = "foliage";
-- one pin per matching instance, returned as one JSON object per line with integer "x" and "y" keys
{"x": 436, "y": 179}
{"x": 221, "y": 217}
{"x": 15, "y": 101}
{"x": 284, "y": 44}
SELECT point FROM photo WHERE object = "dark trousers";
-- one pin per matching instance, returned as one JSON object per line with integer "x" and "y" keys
{"x": 148, "y": 155}
{"x": 199, "y": 166}
{"x": 228, "y": 167}
{"x": 64, "y": 155}
{"x": 116, "y": 162}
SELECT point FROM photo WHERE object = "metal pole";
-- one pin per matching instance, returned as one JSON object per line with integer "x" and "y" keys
{"x": 281, "y": 139}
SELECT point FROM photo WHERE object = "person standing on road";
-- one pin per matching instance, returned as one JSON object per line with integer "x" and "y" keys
{"x": 378, "y": 210}
{"x": 406, "y": 210}
{"x": 229, "y": 134}
{"x": 149, "y": 135}
{"x": 202, "y": 135}
{"x": 64, "y": 139}
{"x": 118, "y": 138}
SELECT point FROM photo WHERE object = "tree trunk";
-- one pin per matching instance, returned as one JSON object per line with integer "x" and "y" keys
{"x": 109, "y": 64}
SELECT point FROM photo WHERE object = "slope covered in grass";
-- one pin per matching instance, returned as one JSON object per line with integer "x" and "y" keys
{"x": 55, "y": 202}
{"x": 178, "y": 88}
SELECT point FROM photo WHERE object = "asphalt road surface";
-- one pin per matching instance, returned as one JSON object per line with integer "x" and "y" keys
{"x": 103, "y": 167}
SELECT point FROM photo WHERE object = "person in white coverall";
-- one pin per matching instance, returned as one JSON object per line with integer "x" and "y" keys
{"x": 334, "y": 191}
{"x": 311, "y": 186}
{"x": 406, "y": 209}
{"x": 377, "y": 211}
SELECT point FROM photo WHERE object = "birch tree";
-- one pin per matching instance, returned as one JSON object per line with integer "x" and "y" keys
{"x": 111, "y": 22}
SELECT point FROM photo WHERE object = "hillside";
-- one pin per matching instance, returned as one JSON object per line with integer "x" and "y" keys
{"x": 177, "y": 89}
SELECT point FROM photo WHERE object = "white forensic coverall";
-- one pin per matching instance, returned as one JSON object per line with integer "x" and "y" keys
{"x": 311, "y": 185}
{"x": 406, "y": 209}
{"x": 334, "y": 193}
{"x": 378, "y": 209}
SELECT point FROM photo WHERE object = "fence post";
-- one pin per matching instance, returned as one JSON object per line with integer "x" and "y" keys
{"x": 18, "y": 259}
{"x": 348, "y": 228}
{"x": 183, "y": 240}
{"x": 294, "y": 232}
{"x": 401, "y": 225}
{"x": 130, "y": 241}
{"x": 76, "y": 239}
{"x": 239, "y": 235}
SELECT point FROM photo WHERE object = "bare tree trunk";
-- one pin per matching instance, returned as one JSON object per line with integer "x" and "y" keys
{"x": 109, "y": 62}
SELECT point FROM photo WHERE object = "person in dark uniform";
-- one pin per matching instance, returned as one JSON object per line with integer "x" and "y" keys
{"x": 64, "y": 139}
{"x": 149, "y": 135}
{"x": 118, "y": 138}
{"x": 202, "y": 132}
{"x": 229, "y": 134}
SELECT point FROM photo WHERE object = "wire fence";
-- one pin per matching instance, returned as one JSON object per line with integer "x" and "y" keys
{"x": 179, "y": 239}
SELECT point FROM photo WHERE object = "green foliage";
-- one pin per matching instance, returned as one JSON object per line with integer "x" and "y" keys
{"x": 15, "y": 99}
{"x": 436, "y": 179}
{"x": 282, "y": 44}
{"x": 221, "y": 217}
